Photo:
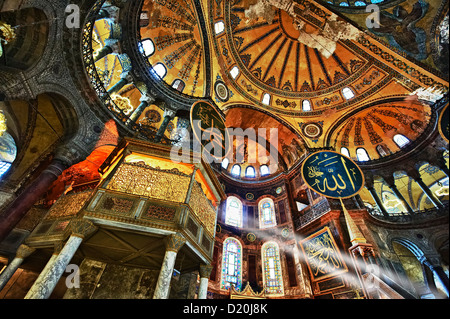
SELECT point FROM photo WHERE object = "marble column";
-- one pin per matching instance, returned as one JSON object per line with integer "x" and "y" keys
{"x": 22, "y": 252}
{"x": 205, "y": 272}
{"x": 376, "y": 198}
{"x": 393, "y": 187}
{"x": 415, "y": 175}
{"x": 173, "y": 245}
{"x": 439, "y": 273}
{"x": 14, "y": 213}
{"x": 53, "y": 271}
{"x": 145, "y": 100}
{"x": 168, "y": 116}
{"x": 125, "y": 78}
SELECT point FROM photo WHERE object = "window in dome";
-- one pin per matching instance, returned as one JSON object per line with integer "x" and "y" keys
{"x": 233, "y": 214}
{"x": 362, "y": 155}
{"x": 250, "y": 172}
{"x": 348, "y": 93}
{"x": 236, "y": 170}
{"x": 376, "y": 1}
{"x": 343, "y": 4}
{"x": 272, "y": 273}
{"x": 4, "y": 166}
{"x": 267, "y": 213}
{"x": 401, "y": 140}
{"x": 266, "y": 99}
{"x": 225, "y": 163}
{"x": 264, "y": 170}
{"x": 160, "y": 69}
{"x": 147, "y": 47}
{"x": 234, "y": 72}
{"x": 345, "y": 151}
{"x": 231, "y": 264}
{"x": 219, "y": 27}
{"x": 8, "y": 148}
{"x": 382, "y": 150}
{"x": 360, "y": 4}
{"x": 178, "y": 85}
{"x": 306, "y": 106}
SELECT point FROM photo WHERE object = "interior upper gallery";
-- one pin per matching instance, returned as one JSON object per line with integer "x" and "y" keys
{"x": 333, "y": 185}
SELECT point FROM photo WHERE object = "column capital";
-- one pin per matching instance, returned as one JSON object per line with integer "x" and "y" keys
{"x": 169, "y": 113}
{"x": 414, "y": 174}
{"x": 24, "y": 251}
{"x": 174, "y": 242}
{"x": 81, "y": 227}
{"x": 205, "y": 270}
{"x": 147, "y": 98}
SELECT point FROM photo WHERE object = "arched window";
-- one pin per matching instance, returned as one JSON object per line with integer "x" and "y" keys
{"x": 264, "y": 170}
{"x": 233, "y": 213}
{"x": 266, "y": 99}
{"x": 345, "y": 151}
{"x": 147, "y": 47}
{"x": 360, "y": 3}
{"x": 272, "y": 275}
{"x": 382, "y": 151}
{"x": 219, "y": 27}
{"x": 236, "y": 170}
{"x": 8, "y": 150}
{"x": 362, "y": 155}
{"x": 306, "y": 106}
{"x": 401, "y": 140}
{"x": 343, "y": 4}
{"x": 250, "y": 171}
{"x": 234, "y": 72}
{"x": 348, "y": 93}
{"x": 178, "y": 85}
{"x": 231, "y": 264}
{"x": 267, "y": 213}
{"x": 160, "y": 69}
{"x": 225, "y": 163}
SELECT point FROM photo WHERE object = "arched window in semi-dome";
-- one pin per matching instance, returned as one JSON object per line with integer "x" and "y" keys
{"x": 272, "y": 274}
{"x": 267, "y": 216}
{"x": 147, "y": 47}
{"x": 264, "y": 170}
{"x": 306, "y": 106}
{"x": 348, "y": 93}
{"x": 266, "y": 99}
{"x": 233, "y": 213}
{"x": 219, "y": 27}
{"x": 236, "y": 170}
{"x": 234, "y": 72}
{"x": 225, "y": 163}
{"x": 8, "y": 149}
{"x": 160, "y": 70}
{"x": 382, "y": 150}
{"x": 401, "y": 140}
{"x": 250, "y": 171}
{"x": 178, "y": 85}
{"x": 231, "y": 264}
{"x": 345, "y": 151}
{"x": 362, "y": 155}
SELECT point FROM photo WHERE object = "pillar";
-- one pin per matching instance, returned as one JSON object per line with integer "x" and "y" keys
{"x": 168, "y": 116}
{"x": 29, "y": 196}
{"x": 43, "y": 288}
{"x": 125, "y": 78}
{"x": 173, "y": 245}
{"x": 145, "y": 100}
{"x": 205, "y": 272}
{"x": 391, "y": 182}
{"x": 438, "y": 272}
{"x": 22, "y": 252}
{"x": 376, "y": 198}
{"x": 415, "y": 175}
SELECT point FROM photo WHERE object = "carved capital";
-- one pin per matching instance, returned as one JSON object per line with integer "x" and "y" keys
{"x": 175, "y": 242}
{"x": 24, "y": 251}
{"x": 81, "y": 228}
{"x": 205, "y": 270}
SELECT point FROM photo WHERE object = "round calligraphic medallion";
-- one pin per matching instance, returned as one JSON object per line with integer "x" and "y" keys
{"x": 443, "y": 123}
{"x": 221, "y": 90}
{"x": 249, "y": 196}
{"x": 209, "y": 129}
{"x": 251, "y": 237}
{"x": 332, "y": 174}
{"x": 312, "y": 130}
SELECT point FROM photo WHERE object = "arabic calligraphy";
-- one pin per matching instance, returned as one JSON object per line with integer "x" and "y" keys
{"x": 323, "y": 257}
{"x": 332, "y": 174}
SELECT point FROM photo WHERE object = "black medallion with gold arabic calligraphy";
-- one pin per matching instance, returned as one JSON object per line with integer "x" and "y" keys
{"x": 444, "y": 123}
{"x": 332, "y": 174}
{"x": 209, "y": 128}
